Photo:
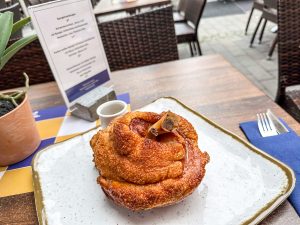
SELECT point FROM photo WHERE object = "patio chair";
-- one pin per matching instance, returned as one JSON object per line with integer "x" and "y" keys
{"x": 288, "y": 96}
{"x": 269, "y": 14}
{"x": 30, "y": 59}
{"x": 187, "y": 31}
{"x": 139, "y": 40}
{"x": 178, "y": 15}
{"x": 258, "y": 5}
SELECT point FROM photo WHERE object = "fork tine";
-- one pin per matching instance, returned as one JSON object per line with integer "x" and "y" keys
{"x": 266, "y": 120}
{"x": 260, "y": 127}
{"x": 264, "y": 126}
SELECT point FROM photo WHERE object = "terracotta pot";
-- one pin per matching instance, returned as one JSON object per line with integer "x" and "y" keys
{"x": 19, "y": 136}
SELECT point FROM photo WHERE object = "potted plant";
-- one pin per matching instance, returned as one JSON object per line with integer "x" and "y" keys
{"x": 19, "y": 136}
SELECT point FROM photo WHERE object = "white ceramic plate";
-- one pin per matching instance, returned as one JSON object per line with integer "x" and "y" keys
{"x": 242, "y": 184}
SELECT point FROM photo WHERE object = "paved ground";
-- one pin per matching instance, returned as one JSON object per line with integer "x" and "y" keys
{"x": 225, "y": 35}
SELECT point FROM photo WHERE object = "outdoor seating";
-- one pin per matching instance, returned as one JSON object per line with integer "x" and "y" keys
{"x": 178, "y": 14}
{"x": 187, "y": 31}
{"x": 108, "y": 115}
{"x": 269, "y": 14}
{"x": 258, "y": 5}
{"x": 139, "y": 40}
{"x": 289, "y": 56}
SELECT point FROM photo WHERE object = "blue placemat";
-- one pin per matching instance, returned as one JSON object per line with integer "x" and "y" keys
{"x": 285, "y": 147}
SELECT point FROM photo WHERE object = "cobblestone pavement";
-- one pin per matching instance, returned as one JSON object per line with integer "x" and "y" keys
{"x": 224, "y": 35}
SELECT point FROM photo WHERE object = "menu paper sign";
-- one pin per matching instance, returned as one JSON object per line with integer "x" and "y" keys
{"x": 70, "y": 38}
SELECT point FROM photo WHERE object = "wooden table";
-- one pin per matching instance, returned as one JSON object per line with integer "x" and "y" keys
{"x": 208, "y": 84}
{"x": 108, "y": 6}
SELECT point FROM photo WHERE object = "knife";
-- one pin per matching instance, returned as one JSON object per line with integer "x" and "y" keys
{"x": 277, "y": 123}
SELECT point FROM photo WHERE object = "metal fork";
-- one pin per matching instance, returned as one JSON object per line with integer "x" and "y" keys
{"x": 265, "y": 125}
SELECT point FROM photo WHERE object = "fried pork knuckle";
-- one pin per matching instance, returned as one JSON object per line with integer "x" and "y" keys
{"x": 140, "y": 170}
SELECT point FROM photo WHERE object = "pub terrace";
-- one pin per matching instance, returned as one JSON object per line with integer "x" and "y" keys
{"x": 143, "y": 112}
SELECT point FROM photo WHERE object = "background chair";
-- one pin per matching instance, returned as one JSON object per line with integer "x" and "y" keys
{"x": 289, "y": 56}
{"x": 187, "y": 31}
{"x": 269, "y": 14}
{"x": 30, "y": 59}
{"x": 258, "y": 5}
{"x": 139, "y": 40}
{"x": 178, "y": 15}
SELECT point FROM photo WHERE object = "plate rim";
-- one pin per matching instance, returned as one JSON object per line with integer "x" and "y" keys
{"x": 255, "y": 219}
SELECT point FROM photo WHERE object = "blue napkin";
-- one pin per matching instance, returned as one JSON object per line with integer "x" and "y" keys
{"x": 285, "y": 147}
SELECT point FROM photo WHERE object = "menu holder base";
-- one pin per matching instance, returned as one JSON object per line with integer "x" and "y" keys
{"x": 87, "y": 110}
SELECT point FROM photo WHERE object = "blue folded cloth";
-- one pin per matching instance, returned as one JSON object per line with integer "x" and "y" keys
{"x": 285, "y": 147}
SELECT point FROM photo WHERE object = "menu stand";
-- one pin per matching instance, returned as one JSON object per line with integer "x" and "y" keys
{"x": 86, "y": 106}
{"x": 69, "y": 35}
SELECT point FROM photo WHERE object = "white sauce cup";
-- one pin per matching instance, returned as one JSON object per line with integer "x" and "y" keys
{"x": 110, "y": 110}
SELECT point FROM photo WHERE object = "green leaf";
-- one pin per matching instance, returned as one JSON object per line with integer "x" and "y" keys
{"x": 12, "y": 46}
{"x": 15, "y": 47}
{"x": 6, "y": 24}
{"x": 21, "y": 23}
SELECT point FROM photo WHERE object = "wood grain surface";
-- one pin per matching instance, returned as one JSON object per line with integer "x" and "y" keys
{"x": 207, "y": 84}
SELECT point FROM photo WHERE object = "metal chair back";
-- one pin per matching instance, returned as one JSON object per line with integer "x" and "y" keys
{"x": 182, "y": 5}
{"x": 272, "y": 4}
{"x": 270, "y": 10}
{"x": 194, "y": 10}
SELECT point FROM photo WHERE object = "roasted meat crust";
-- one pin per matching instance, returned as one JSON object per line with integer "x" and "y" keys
{"x": 142, "y": 173}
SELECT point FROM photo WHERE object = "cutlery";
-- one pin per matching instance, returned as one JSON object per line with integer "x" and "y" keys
{"x": 279, "y": 126}
{"x": 265, "y": 125}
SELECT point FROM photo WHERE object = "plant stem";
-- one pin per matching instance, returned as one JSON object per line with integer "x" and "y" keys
{"x": 15, "y": 96}
{"x": 26, "y": 82}
{"x": 8, "y": 97}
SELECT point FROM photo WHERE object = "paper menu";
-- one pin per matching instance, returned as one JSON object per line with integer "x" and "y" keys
{"x": 69, "y": 35}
